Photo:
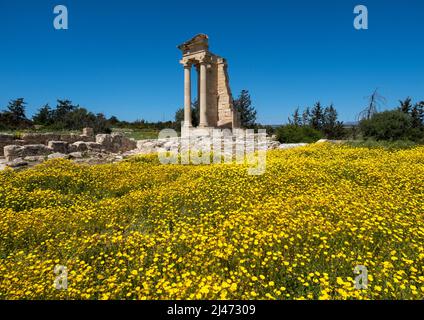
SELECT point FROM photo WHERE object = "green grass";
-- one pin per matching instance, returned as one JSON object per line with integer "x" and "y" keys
{"x": 19, "y": 132}
{"x": 388, "y": 145}
{"x": 138, "y": 134}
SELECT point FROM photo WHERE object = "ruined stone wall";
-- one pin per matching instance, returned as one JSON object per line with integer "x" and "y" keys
{"x": 45, "y": 143}
{"x": 5, "y": 140}
{"x": 44, "y": 138}
{"x": 225, "y": 99}
{"x": 19, "y": 153}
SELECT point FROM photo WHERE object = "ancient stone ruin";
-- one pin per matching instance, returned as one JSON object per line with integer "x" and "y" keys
{"x": 214, "y": 94}
{"x": 33, "y": 148}
{"x": 216, "y": 112}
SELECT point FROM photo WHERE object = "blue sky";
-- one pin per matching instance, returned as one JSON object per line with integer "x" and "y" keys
{"x": 120, "y": 57}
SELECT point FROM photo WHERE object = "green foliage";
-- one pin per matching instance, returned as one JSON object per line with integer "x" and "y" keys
{"x": 320, "y": 119}
{"x": 405, "y": 105}
{"x": 270, "y": 130}
{"x": 296, "y": 119}
{"x": 404, "y": 123}
{"x": 43, "y": 116}
{"x": 67, "y": 116}
{"x": 332, "y": 128}
{"x": 247, "y": 113}
{"x": 387, "y": 145}
{"x": 391, "y": 125}
{"x": 138, "y": 134}
{"x": 14, "y": 116}
{"x": 297, "y": 134}
{"x": 317, "y": 117}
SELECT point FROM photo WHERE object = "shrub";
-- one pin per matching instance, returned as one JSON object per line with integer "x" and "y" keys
{"x": 297, "y": 134}
{"x": 390, "y": 125}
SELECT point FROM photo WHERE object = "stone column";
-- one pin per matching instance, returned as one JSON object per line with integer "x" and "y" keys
{"x": 203, "y": 93}
{"x": 187, "y": 95}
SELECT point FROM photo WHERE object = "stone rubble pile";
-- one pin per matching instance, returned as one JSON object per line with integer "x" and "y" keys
{"x": 33, "y": 148}
{"x": 194, "y": 143}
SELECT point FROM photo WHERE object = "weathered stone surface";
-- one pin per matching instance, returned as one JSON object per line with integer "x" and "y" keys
{"x": 88, "y": 132}
{"x": 44, "y": 138}
{"x": 80, "y": 146}
{"x": 201, "y": 142}
{"x": 35, "y": 158}
{"x": 105, "y": 140}
{"x": 94, "y": 146}
{"x": 5, "y": 139}
{"x": 292, "y": 145}
{"x": 75, "y": 155}
{"x": 13, "y": 151}
{"x": 116, "y": 142}
{"x": 272, "y": 144}
{"x": 71, "y": 138}
{"x": 2, "y": 164}
{"x": 40, "y": 138}
{"x": 35, "y": 150}
{"x": 58, "y": 146}
{"x": 57, "y": 155}
{"x": 16, "y": 163}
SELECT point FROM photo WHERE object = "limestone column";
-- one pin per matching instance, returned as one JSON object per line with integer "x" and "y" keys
{"x": 203, "y": 93}
{"x": 187, "y": 95}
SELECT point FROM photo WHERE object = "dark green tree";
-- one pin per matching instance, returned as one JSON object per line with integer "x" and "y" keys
{"x": 406, "y": 105}
{"x": 63, "y": 107}
{"x": 14, "y": 116}
{"x": 295, "y": 119}
{"x": 247, "y": 113}
{"x": 317, "y": 117}
{"x": 113, "y": 121}
{"x": 306, "y": 117}
{"x": 416, "y": 114}
{"x": 420, "y": 111}
{"x": 43, "y": 116}
{"x": 16, "y": 111}
{"x": 332, "y": 128}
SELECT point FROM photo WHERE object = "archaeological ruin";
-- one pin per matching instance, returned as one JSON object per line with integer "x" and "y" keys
{"x": 213, "y": 89}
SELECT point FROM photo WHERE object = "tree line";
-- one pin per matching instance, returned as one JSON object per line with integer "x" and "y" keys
{"x": 65, "y": 116}
{"x": 404, "y": 122}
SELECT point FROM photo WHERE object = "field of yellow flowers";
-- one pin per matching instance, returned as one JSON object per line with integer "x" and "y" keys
{"x": 142, "y": 230}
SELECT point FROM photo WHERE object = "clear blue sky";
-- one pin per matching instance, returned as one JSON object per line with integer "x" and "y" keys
{"x": 120, "y": 57}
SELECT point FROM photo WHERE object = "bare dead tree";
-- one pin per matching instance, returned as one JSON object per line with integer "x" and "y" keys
{"x": 375, "y": 101}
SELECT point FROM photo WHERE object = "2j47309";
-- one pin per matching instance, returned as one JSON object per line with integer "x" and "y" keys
{"x": 233, "y": 309}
